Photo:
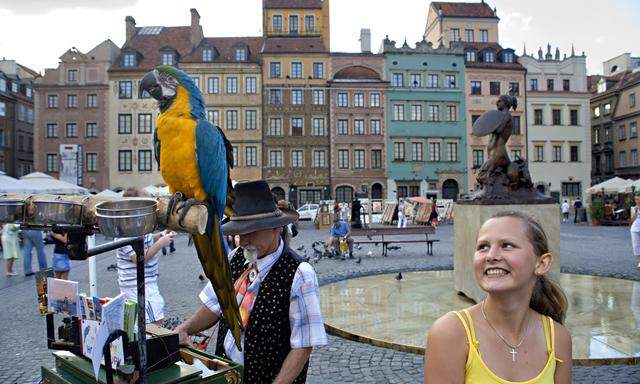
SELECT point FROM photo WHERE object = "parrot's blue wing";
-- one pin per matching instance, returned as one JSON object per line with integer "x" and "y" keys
{"x": 156, "y": 147}
{"x": 212, "y": 163}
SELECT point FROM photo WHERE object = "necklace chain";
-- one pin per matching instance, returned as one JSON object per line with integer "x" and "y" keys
{"x": 513, "y": 347}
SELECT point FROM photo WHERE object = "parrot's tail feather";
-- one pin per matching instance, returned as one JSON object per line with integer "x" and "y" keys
{"x": 210, "y": 247}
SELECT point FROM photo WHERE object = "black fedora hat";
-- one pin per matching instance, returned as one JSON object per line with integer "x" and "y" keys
{"x": 255, "y": 210}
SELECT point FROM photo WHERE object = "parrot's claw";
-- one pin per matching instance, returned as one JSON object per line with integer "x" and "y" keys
{"x": 175, "y": 199}
{"x": 184, "y": 208}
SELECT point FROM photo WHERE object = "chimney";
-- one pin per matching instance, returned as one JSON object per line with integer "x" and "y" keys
{"x": 196, "y": 28}
{"x": 365, "y": 40}
{"x": 130, "y": 24}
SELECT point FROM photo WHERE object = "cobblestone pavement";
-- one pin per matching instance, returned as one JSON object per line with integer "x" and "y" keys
{"x": 591, "y": 250}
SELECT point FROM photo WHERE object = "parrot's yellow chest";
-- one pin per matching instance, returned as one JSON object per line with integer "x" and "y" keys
{"x": 178, "y": 163}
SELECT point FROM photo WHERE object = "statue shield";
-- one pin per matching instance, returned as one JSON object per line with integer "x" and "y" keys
{"x": 488, "y": 122}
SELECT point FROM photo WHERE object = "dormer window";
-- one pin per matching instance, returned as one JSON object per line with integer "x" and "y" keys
{"x": 471, "y": 56}
{"x": 489, "y": 57}
{"x": 168, "y": 58}
{"x": 241, "y": 54}
{"x": 602, "y": 86}
{"x": 507, "y": 57}
{"x": 14, "y": 87}
{"x": 207, "y": 54}
{"x": 3, "y": 84}
{"x": 129, "y": 60}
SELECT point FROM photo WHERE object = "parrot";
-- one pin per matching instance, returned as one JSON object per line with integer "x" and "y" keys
{"x": 194, "y": 159}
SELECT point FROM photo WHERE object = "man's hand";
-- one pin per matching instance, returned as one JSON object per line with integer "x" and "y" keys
{"x": 183, "y": 336}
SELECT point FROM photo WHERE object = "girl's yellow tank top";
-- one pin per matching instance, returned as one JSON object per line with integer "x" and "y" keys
{"x": 477, "y": 372}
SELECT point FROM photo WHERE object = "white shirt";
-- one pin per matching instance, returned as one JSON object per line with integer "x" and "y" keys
{"x": 565, "y": 207}
{"x": 635, "y": 226}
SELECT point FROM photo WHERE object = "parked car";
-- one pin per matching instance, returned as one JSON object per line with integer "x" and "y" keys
{"x": 308, "y": 212}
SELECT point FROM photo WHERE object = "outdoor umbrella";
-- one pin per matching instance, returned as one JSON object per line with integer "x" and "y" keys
{"x": 156, "y": 191}
{"x": 631, "y": 187}
{"x": 109, "y": 193}
{"x": 10, "y": 185}
{"x": 48, "y": 184}
{"x": 610, "y": 186}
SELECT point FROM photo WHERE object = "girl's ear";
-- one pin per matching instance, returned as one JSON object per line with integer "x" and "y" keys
{"x": 543, "y": 265}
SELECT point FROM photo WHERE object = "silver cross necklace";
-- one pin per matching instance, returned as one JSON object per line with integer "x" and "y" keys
{"x": 513, "y": 348}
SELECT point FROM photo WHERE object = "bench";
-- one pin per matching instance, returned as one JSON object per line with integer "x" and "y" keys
{"x": 391, "y": 231}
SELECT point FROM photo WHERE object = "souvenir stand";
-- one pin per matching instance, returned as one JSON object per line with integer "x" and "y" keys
{"x": 153, "y": 356}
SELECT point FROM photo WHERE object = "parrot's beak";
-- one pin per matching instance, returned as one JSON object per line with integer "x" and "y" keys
{"x": 150, "y": 84}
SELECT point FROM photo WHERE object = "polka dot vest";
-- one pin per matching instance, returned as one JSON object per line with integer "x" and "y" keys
{"x": 266, "y": 342}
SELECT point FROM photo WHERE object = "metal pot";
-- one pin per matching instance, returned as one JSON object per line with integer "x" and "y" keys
{"x": 58, "y": 212}
{"x": 12, "y": 211}
{"x": 127, "y": 218}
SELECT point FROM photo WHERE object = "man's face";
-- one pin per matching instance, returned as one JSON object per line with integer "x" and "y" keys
{"x": 263, "y": 240}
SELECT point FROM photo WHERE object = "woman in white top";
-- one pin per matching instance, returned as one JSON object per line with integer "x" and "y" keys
{"x": 635, "y": 229}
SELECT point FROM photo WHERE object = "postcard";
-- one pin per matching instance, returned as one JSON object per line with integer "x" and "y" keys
{"x": 41, "y": 288}
{"x": 62, "y": 296}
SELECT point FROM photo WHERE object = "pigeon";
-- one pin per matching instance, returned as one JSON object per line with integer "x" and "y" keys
{"x": 359, "y": 260}
{"x": 370, "y": 254}
{"x": 201, "y": 277}
{"x": 393, "y": 248}
{"x": 358, "y": 247}
{"x": 399, "y": 276}
{"x": 112, "y": 267}
{"x": 300, "y": 248}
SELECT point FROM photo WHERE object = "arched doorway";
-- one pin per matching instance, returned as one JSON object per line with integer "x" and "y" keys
{"x": 344, "y": 194}
{"x": 450, "y": 189}
{"x": 540, "y": 188}
{"x": 376, "y": 191}
{"x": 278, "y": 193}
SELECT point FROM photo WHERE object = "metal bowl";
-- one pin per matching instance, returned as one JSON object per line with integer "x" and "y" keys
{"x": 58, "y": 212}
{"x": 11, "y": 211}
{"x": 127, "y": 218}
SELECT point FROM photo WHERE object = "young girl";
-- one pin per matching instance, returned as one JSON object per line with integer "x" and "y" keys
{"x": 516, "y": 334}
{"x": 10, "y": 246}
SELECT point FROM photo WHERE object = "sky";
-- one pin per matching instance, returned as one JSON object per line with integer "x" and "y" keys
{"x": 43, "y": 30}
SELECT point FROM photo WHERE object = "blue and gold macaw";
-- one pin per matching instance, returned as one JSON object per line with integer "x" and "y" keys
{"x": 194, "y": 158}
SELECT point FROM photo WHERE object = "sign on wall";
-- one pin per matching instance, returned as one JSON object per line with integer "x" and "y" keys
{"x": 71, "y": 163}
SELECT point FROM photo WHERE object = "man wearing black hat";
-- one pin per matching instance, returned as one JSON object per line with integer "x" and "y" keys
{"x": 277, "y": 293}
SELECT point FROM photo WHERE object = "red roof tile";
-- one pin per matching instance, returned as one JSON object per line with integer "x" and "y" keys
{"x": 481, "y": 9}
{"x": 225, "y": 46}
{"x": 293, "y": 45}
{"x": 357, "y": 72}
{"x": 621, "y": 79}
{"x": 280, "y": 4}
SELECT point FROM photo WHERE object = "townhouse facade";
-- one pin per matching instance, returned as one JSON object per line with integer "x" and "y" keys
{"x": 626, "y": 117}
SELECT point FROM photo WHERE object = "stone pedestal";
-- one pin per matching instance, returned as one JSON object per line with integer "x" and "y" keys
{"x": 469, "y": 217}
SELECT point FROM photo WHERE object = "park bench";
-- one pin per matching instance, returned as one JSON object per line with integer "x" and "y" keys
{"x": 383, "y": 233}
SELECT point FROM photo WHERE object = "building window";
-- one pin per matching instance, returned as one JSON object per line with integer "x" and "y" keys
{"x": 556, "y": 114}
{"x": 275, "y": 158}
{"x": 550, "y": 85}
{"x": 92, "y": 162}
{"x": 274, "y": 70}
{"x": 623, "y": 159}
{"x": 232, "y": 85}
{"x": 514, "y": 89}
{"x": 144, "y": 160}
{"x": 376, "y": 158}
{"x": 129, "y": 60}
{"x": 533, "y": 84}
{"x": 52, "y": 162}
{"x": 416, "y": 152}
{"x": 403, "y": 191}
{"x": 124, "y": 161}
{"x": 608, "y": 163}
{"x": 516, "y": 125}
{"x": 622, "y": 132}
{"x": 484, "y": 36}
{"x": 296, "y": 126}
{"x": 434, "y": 113}
{"x": 318, "y": 127}
{"x": 343, "y": 158}
{"x": 494, "y": 87}
{"x": 452, "y": 113}
{"x": 416, "y": 112}
{"x": 276, "y": 23}
{"x": 318, "y": 70}
{"x": 507, "y": 57}
{"x": 358, "y": 127}
{"x": 573, "y": 115}
{"x": 566, "y": 85}
{"x": 213, "y": 85}
{"x": 92, "y": 101}
{"x": 343, "y": 127}
{"x": 432, "y": 81}
{"x": 318, "y": 97}
{"x": 167, "y": 58}
{"x": 343, "y": 99}
{"x": 537, "y": 116}
{"x": 476, "y": 88}
{"x": 241, "y": 54}
{"x": 358, "y": 159}
{"x": 250, "y": 120}
{"x": 358, "y": 100}
{"x": 3, "y": 84}
{"x": 452, "y": 152}
{"x": 474, "y": 118}
{"x": 633, "y": 130}
{"x": 596, "y": 111}
{"x": 539, "y": 153}
{"x": 319, "y": 159}
{"x": 251, "y": 156}
{"x": 72, "y": 75}
{"x": 144, "y": 123}
{"x": 309, "y": 23}
{"x": 557, "y": 153}
{"x": 251, "y": 85}
{"x": 91, "y": 130}
{"x": 124, "y": 123}
{"x": 416, "y": 80}
{"x": 296, "y": 70}
{"x": 293, "y": 24}
{"x": 434, "y": 151}
{"x": 607, "y": 108}
{"x": 450, "y": 81}
{"x": 455, "y": 34}
{"x": 398, "y": 80}
{"x": 213, "y": 115}
{"x": 207, "y": 55}
{"x": 468, "y": 35}
{"x": 52, "y": 101}
{"x": 72, "y": 101}
{"x": 634, "y": 157}
{"x": 478, "y": 158}
{"x": 52, "y": 130}
{"x": 574, "y": 153}
{"x": 516, "y": 154}
{"x": 275, "y": 96}
{"x": 374, "y": 99}
{"x": 71, "y": 130}
{"x": 398, "y": 112}
{"x": 571, "y": 189}
{"x": 374, "y": 127}
{"x": 471, "y": 56}
{"x": 231, "y": 120}
{"x": 296, "y": 97}
{"x": 124, "y": 89}
{"x": 275, "y": 126}
{"x": 489, "y": 57}
{"x": 398, "y": 151}
{"x": 632, "y": 100}
{"x": 236, "y": 156}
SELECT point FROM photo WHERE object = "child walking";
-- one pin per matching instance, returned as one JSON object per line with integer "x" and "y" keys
{"x": 10, "y": 246}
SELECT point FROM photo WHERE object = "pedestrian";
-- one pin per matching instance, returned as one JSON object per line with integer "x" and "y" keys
{"x": 565, "y": 211}
{"x": 60, "y": 261}
{"x": 433, "y": 216}
{"x": 402, "y": 220}
{"x": 576, "y": 207}
{"x": 635, "y": 229}
{"x": 344, "y": 211}
{"x": 33, "y": 239}
{"x": 10, "y": 245}
{"x": 516, "y": 333}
